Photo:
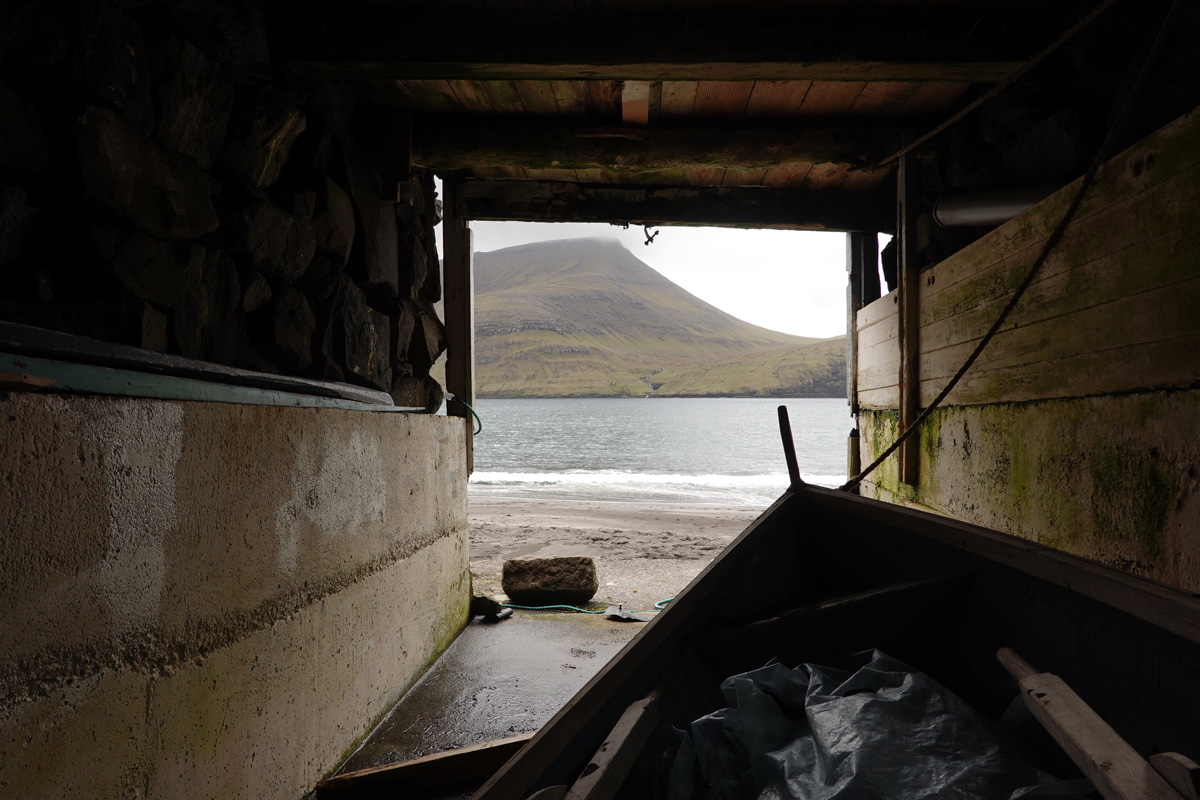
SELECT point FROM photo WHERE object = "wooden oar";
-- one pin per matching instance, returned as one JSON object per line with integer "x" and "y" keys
{"x": 605, "y": 773}
{"x": 1116, "y": 770}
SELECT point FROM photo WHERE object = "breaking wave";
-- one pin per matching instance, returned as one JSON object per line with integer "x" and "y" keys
{"x": 648, "y": 486}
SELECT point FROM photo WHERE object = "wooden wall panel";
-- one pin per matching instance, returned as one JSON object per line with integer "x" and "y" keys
{"x": 1116, "y": 308}
{"x": 879, "y": 353}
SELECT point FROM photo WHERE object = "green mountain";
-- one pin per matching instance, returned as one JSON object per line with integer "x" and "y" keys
{"x": 585, "y": 318}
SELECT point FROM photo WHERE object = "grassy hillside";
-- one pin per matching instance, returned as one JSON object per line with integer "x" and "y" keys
{"x": 585, "y": 317}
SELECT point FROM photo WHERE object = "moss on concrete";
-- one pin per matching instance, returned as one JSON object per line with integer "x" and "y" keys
{"x": 1133, "y": 493}
{"x": 1103, "y": 477}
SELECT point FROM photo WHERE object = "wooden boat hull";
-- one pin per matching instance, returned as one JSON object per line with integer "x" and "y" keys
{"x": 822, "y": 573}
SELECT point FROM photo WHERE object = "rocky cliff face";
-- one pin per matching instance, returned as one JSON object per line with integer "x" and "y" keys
{"x": 164, "y": 184}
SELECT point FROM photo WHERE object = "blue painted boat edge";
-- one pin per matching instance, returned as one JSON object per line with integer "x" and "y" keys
{"x": 25, "y": 373}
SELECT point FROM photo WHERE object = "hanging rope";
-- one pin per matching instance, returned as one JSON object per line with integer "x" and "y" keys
{"x": 1122, "y": 103}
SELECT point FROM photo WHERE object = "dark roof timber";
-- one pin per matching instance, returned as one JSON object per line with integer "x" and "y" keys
{"x": 371, "y": 44}
{"x": 462, "y": 143}
{"x": 783, "y": 209}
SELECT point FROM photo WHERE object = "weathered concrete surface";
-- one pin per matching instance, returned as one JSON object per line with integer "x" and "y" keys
{"x": 215, "y": 600}
{"x": 496, "y": 680}
{"x": 1111, "y": 478}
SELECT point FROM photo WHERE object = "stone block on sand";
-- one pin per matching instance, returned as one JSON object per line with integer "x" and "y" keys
{"x": 569, "y": 580}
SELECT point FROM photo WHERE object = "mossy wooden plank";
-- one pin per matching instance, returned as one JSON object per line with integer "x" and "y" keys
{"x": 876, "y": 311}
{"x": 881, "y": 325}
{"x": 1156, "y": 160}
{"x": 871, "y": 359}
{"x": 1155, "y": 225}
{"x": 1142, "y": 366}
{"x": 1133, "y": 270}
{"x": 1123, "y": 282}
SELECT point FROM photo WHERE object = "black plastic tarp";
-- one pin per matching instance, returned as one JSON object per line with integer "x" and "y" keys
{"x": 877, "y": 730}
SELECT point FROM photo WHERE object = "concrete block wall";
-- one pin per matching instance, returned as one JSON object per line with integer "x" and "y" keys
{"x": 208, "y": 600}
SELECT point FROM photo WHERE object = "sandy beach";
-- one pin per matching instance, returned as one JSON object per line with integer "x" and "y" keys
{"x": 643, "y": 551}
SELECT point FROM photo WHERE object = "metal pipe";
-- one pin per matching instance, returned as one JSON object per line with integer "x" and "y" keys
{"x": 989, "y": 207}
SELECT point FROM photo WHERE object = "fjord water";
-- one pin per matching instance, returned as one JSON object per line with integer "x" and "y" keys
{"x": 676, "y": 450}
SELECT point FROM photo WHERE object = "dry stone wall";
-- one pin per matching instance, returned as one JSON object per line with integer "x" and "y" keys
{"x": 164, "y": 184}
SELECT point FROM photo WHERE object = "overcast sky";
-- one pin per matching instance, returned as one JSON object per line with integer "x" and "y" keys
{"x": 790, "y": 281}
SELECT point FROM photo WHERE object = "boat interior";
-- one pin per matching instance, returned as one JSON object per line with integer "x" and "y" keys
{"x": 823, "y": 574}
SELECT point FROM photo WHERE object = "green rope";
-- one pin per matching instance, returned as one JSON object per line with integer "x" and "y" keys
{"x": 548, "y": 608}
{"x": 659, "y": 606}
{"x": 478, "y": 421}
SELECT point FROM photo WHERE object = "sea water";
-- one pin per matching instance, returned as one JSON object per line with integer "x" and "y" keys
{"x": 676, "y": 450}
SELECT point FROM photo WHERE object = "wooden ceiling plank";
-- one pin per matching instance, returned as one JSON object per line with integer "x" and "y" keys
{"x": 503, "y": 96}
{"x": 858, "y": 180}
{"x": 387, "y": 43}
{"x": 537, "y": 98}
{"x": 932, "y": 98}
{"x": 591, "y": 175}
{"x": 403, "y": 97}
{"x": 678, "y": 98}
{"x": 743, "y": 177}
{"x": 827, "y": 98}
{"x": 567, "y": 175}
{"x": 883, "y": 99}
{"x": 605, "y": 99}
{"x": 667, "y": 205}
{"x": 777, "y": 98}
{"x": 472, "y": 97}
{"x": 435, "y": 96}
{"x": 452, "y": 144}
{"x": 572, "y": 97}
{"x": 826, "y": 176}
{"x": 784, "y": 177}
{"x": 722, "y": 98}
{"x": 703, "y": 177}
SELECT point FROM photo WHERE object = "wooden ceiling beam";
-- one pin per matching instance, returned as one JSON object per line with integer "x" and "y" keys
{"x": 783, "y": 209}
{"x": 675, "y": 47}
{"x": 465, "y": 143}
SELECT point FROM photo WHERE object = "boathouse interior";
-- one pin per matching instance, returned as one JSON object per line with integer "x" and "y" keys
{"x": 232, "y": 529}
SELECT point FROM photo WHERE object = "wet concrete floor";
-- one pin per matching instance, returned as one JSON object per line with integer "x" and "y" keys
{"x": 496, "y": 680}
